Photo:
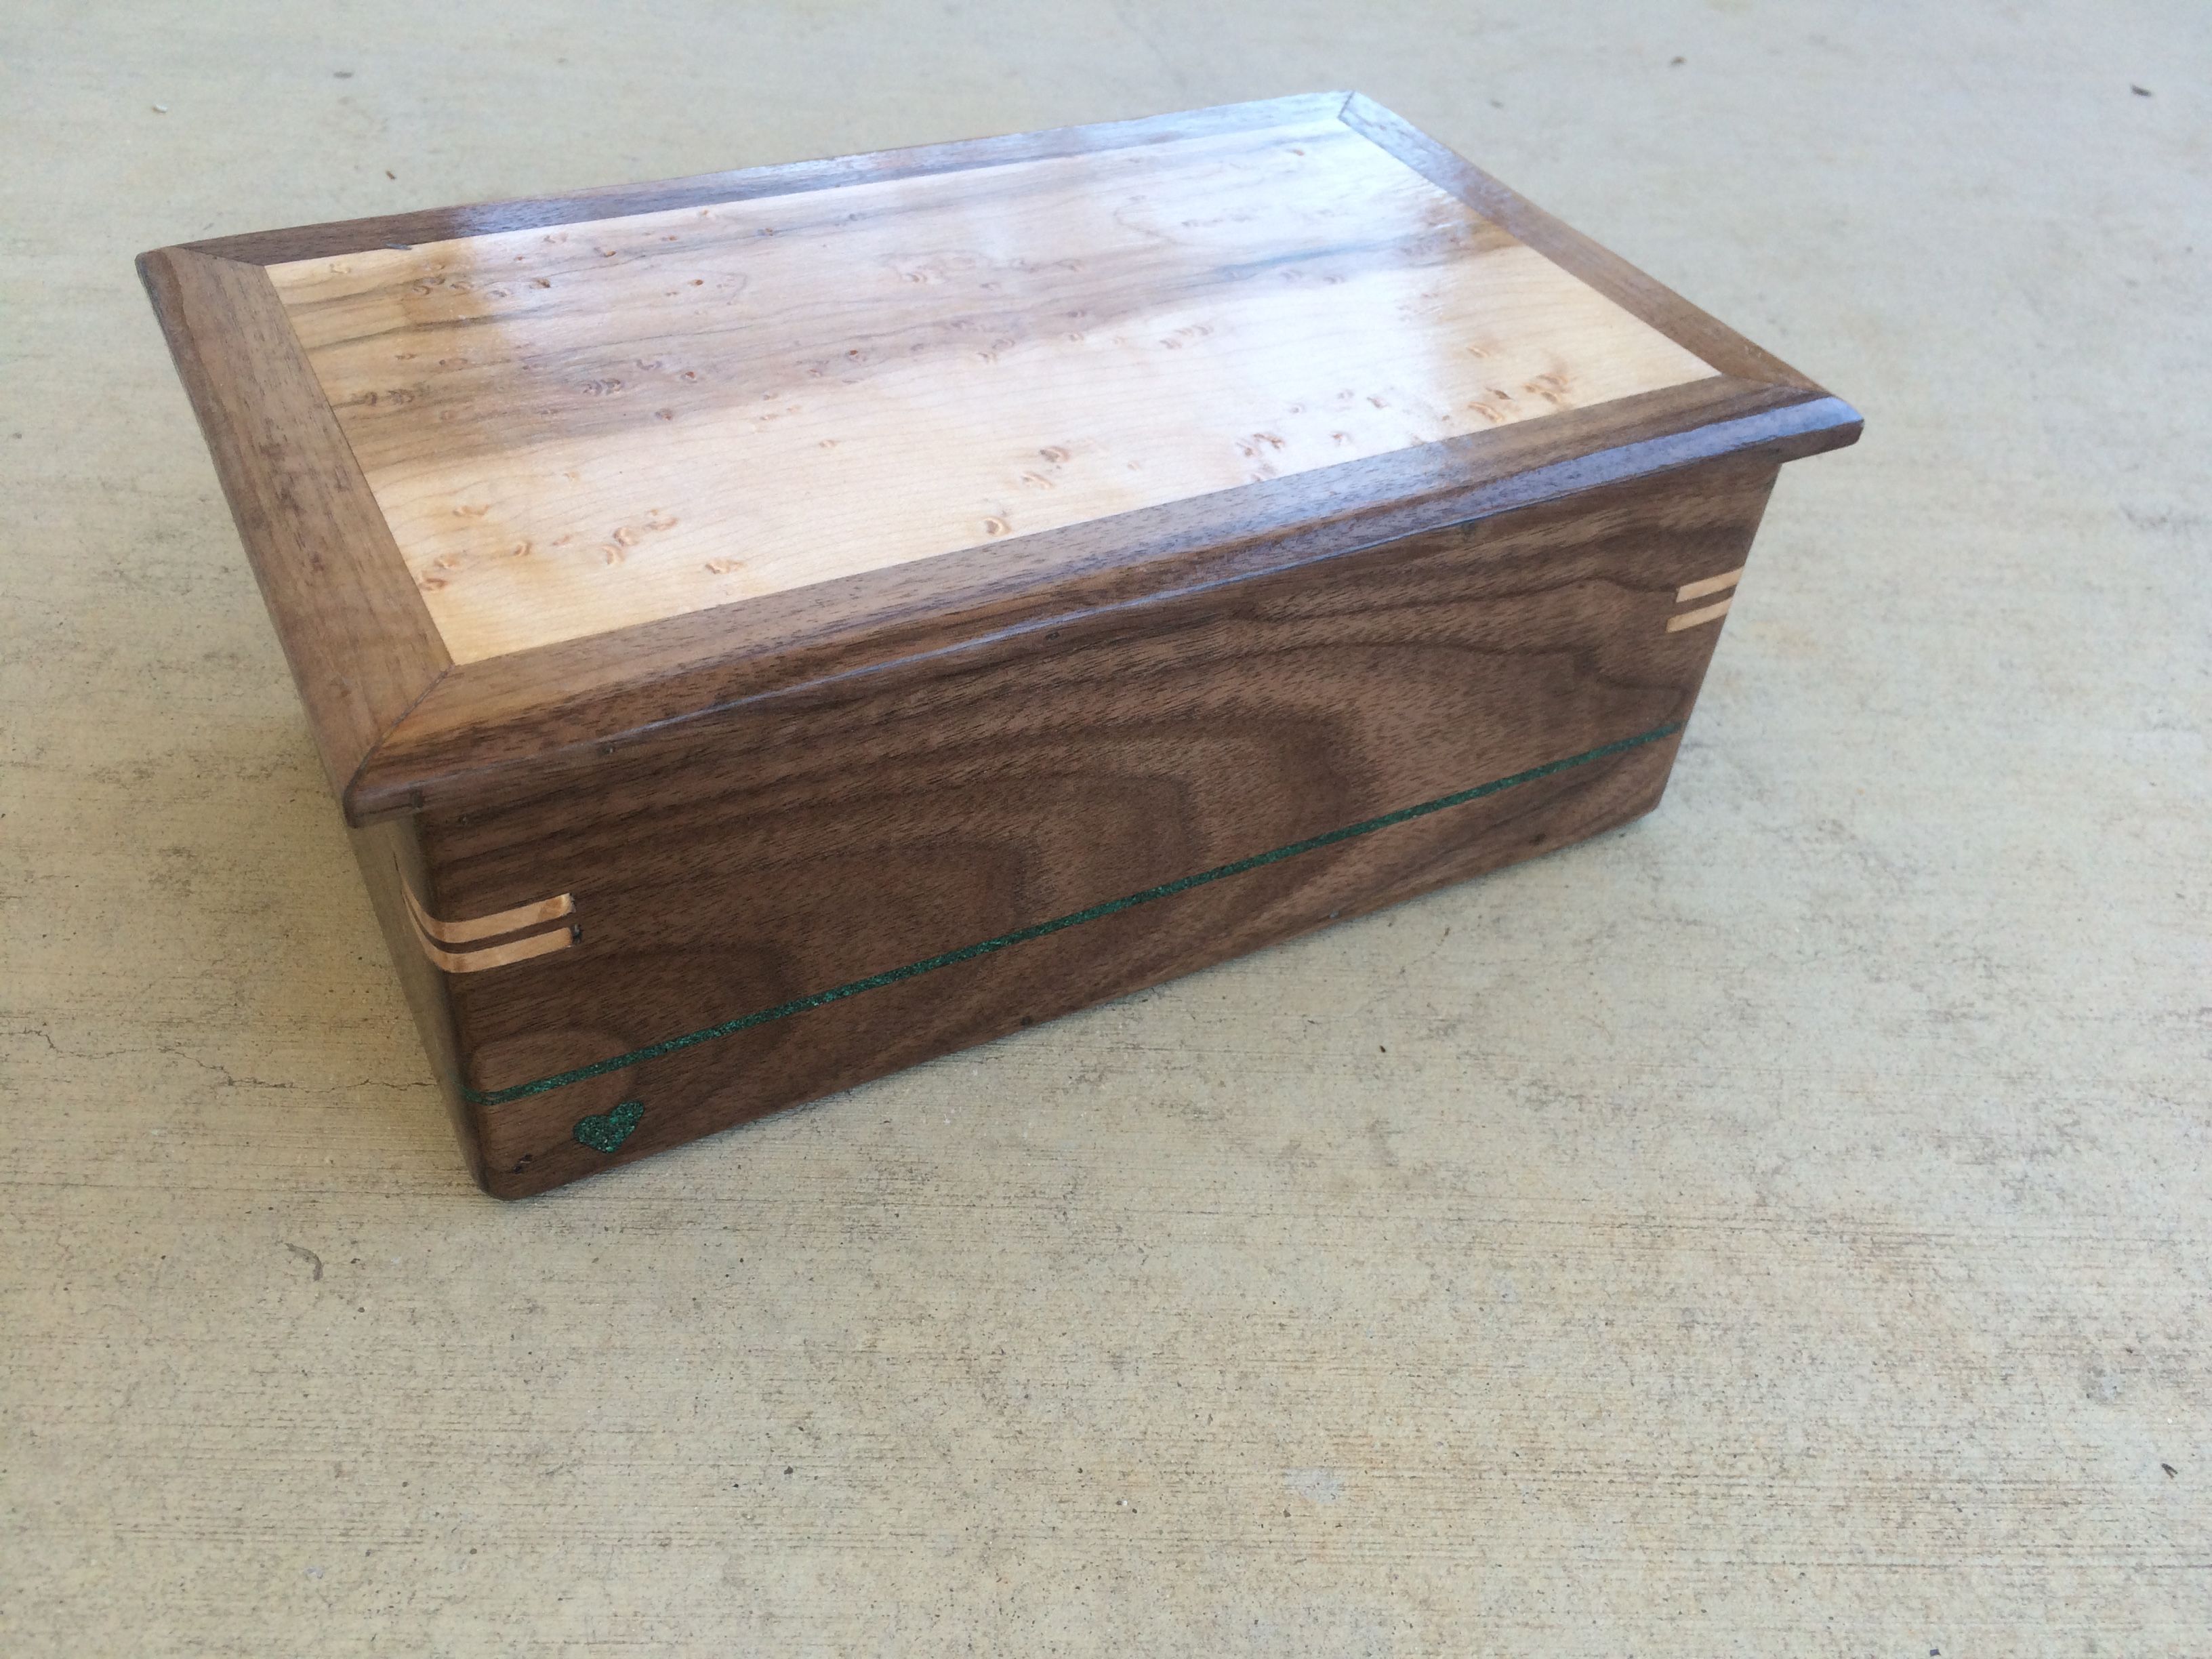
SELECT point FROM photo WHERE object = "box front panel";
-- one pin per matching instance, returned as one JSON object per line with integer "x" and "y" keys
{"x": 795, "y": 901}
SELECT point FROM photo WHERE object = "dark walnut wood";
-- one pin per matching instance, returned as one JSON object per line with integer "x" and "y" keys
{"x": 652, "y": 860}
{"x": 361, "y": 646}
{"x": 831, "y": 840}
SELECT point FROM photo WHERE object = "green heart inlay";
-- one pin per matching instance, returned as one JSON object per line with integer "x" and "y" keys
{"x": 605, "y": 1131}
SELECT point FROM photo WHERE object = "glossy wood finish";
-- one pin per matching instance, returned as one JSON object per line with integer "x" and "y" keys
{"x": 575, "y": 430}
{"x": 489, "y": 728}
{"x": 804, "y": 621}
{"x": 806, "y": 850}
{"x": 428, "y": 731}
{"x": 1706, "y": 336}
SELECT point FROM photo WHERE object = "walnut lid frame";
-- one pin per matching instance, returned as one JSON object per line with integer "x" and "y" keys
{"x": 325, "y": 490}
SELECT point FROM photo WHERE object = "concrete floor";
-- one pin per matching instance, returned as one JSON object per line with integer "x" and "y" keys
{"x": 1782, "y": 1227}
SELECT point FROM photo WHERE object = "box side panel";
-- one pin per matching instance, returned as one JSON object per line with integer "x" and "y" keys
{"x": 830, "y": 893}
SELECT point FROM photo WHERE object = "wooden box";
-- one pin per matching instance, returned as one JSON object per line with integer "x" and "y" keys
{"x": 771, "y": 628}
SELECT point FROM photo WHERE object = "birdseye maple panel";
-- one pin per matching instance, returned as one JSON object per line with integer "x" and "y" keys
{"x": 574, "y": 430}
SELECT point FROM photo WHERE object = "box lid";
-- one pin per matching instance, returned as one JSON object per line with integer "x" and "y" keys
{"x": 538, "y": 477}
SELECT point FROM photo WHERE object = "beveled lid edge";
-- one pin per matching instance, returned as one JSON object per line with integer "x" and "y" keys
{"x": 523, "y": 722}
{"x": 361, "y": 645}
{"x": 400, "y": 727}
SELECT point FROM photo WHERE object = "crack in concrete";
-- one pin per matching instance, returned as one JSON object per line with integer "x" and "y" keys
{"x": 231, "y": 1080}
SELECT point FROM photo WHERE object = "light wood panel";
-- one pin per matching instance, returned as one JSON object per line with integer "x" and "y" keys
{"x": 578, "y": 428}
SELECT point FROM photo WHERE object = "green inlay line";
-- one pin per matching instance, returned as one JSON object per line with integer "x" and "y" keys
{"x": 1022, "y": 935}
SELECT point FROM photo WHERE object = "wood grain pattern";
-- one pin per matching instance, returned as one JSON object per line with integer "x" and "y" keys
{"x": 577, "y": 430}
{"x": 1782, "y": 1228}
{"x": 814, "y": 847}
{"x": 491, "y": 729}
{"x": 444, "y": 734}
{"x": 899, "y": 602}
{"x": 361, "y": 646}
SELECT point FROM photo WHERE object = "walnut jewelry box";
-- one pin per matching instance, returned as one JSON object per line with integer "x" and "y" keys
{"x": 772, "y": 628}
